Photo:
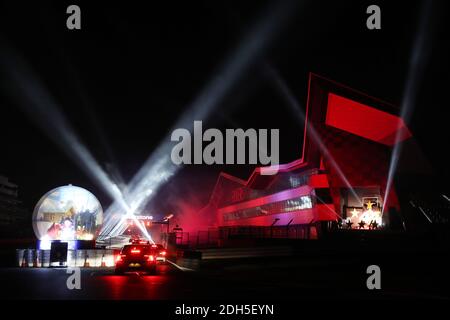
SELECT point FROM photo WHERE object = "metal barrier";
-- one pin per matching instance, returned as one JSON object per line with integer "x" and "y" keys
{"x": 251, "y": 252}
{"x": 28, "y": 258}
{"x": 267, "y": 232}
{"x": 212, "y": 238}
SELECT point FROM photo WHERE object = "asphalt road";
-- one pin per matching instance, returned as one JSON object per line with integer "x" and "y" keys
{"x": 96, "y": 283}
{"x": 286, "y": 278}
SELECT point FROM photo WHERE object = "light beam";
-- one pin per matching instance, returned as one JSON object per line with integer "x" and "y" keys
{"x": 159, "y": 168}
{"x": 293, "y": 103}
{"x": 42, "y": 109}
{"x": 417, "y": 64}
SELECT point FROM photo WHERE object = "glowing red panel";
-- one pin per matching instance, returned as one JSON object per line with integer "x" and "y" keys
{"x": 319, "y": 181}
{"x": 365, "y": 121}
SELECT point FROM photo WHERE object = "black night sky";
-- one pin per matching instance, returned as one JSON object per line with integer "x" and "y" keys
{"x": 134, "y": 67}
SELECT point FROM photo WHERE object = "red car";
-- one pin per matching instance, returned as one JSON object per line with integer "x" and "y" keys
{"x": 137, "y": 257}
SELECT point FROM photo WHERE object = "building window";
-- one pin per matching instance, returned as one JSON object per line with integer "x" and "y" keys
{"x": 295, "y": 204}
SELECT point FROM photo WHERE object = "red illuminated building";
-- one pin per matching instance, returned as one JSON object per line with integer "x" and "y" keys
{"x": 341, "y": 176}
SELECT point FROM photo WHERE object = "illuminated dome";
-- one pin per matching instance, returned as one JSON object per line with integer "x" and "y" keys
{"x": 67, "y": 213}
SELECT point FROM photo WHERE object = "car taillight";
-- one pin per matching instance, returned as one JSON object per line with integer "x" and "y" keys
{"x": 150, "y": 257}
{"x": 163, "y": 253}
{"x": 120, "y": 258}
{"x": 135, "y": 251}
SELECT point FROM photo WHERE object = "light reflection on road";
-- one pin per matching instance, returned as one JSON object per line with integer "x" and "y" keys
{"x": 134, "y": 285}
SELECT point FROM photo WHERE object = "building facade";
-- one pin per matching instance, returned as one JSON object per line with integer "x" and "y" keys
{"x": 340, "y": 178}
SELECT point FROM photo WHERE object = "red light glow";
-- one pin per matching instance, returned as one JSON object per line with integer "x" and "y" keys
{"x": 120, "y": 257}
{"x": 150, "y": 257}
{"x": 365, "y": 121}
